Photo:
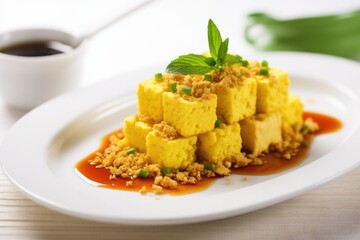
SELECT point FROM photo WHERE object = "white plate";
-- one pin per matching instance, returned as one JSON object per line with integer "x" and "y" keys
{"x": 40, "y": 151}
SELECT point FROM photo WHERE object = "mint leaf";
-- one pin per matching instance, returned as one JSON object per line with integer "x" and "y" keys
{"x": 214, "y": 39}
{"x": 210, "y": 61}
{"x": 223, "y": 52}
{"x": 233, "y": 59}
{"x": 199, "y": 64}
{"x": 189, "y": 64}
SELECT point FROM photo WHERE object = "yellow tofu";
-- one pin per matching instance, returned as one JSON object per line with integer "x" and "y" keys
{"x": 220, "y": 143}
{"x": 189, "y": 118}
{"x": 237, "y": 103}
{"x": 260, "y": 131}
{"x": 272, "y": 91}
{"x": 149, "y": 94}
{"x": 176, "y": 154}
{"x": 135, "y": 133}
{"x": 291, "y": 114}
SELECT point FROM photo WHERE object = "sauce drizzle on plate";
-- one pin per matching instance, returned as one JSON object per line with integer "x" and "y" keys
{"x": 275, "y": 164}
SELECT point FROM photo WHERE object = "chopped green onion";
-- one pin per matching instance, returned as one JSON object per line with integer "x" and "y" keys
{"x": 218, "y": 122}
{"x": 245, "y": 63}
{"x": 186, "y": 90}
{"x": 304, "y": 128}
{"x": 208, "y": 166}
{"x": 143, "y": 173}
{"x": 158, "y": 76}
{"x": 264, "y": 71}
{"x": 208, "y": 77}
{"x": 166, "y": 171}
{"x": 241, "y": 72}
{"x": 131, "y": 151}
{"x": 264, "y": 63}
{"x": 304, "y": 143}
{"x": 172, "y": 87}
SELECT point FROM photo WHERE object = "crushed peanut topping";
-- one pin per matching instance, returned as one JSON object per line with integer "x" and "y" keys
{"x": 229, "y": 76}
{"x": 199, "y": 87}
{"x": 166, "y": 131}
{"x": 157, "y": 189}
{"x": 202, "y": 89}
{"x": 142, "y": 190}
{"x": 126, "y": 166}
{"x": 144, "y": 118}
{"x": 290, "y": 144}
{"x": 312, "y": 126}
{"x": 173, "y": 77}
{"x": 227, "y": 181}
{"x": 190, "y": 80}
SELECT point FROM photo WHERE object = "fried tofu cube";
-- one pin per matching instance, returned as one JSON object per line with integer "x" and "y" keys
{"x": 260, "y": 131}
{"x": 190, "y": 117}
{"x": 291, "y": 114}
{"x": 177, "y": 153}
{"x": 238, "y": 102}
{"x": 220, "y": 143}
{"x": 150, "y": 100}
{"x": 272, "y": 91}
{"x": 135, "y": 133}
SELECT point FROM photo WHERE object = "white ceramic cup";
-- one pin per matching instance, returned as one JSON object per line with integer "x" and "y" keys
{"x": 26, "y": 82}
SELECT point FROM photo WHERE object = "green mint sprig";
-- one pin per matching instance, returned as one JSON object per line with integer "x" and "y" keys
{"x": 190, "y": 64}
{"x": 200, "y": 64}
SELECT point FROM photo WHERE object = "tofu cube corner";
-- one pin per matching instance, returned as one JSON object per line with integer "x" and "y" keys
{"x": 135, "y": 133}
{"x": 272, "y": 91}
{"x": 291, "y": 114}
{"x": 176, "y": 154}
{"x": 238, "y": 102}
{"x": 190, "y": 118}
{"x": 150, "y": 100}
{"x": 220, "y": 143}
{"x": 260, "y": 131}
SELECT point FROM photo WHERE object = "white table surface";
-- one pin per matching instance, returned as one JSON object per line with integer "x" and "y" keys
{"x": 157, "y": 34}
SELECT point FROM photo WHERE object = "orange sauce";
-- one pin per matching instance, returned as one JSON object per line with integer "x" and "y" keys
{"x": 275, "y": 164}
{"x": 326, "y": 123}
{"x": 100, "y": 176}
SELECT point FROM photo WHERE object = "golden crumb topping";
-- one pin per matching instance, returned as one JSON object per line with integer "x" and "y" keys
{"x": 229, "y": 76}
{"x": 123, "y": 165}
{"x": 311, "y": 126}
{"x": 199, "y": 87}
{"x": 173, "y": 77}
{"x": 290, "y": 144}
{"x": 190, "y": 80}
{"x": 166, "y": 131}
{"x": 254, "y": 69}
{"x": 195, "y": 85}
{"x": 144, "y": 118}
{"x": 202, "y": 89}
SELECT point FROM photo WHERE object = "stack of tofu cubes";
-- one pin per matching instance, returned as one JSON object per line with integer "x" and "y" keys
{"x": 254, "y": 115}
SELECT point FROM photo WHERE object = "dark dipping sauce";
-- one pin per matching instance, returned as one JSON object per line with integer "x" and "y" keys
{"x": 274, "y": 163}
{"x": 36, "y": 49}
